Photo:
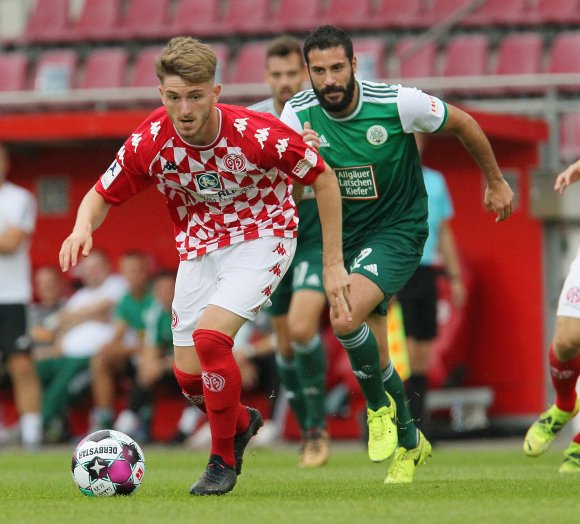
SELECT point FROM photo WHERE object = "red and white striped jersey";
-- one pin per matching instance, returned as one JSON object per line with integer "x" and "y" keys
{"x": 235, "y": 189}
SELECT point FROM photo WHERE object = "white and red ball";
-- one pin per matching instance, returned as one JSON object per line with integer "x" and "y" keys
{"x": 107, "y": 463}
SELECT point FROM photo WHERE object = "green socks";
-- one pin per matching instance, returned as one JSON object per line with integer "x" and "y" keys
{"x": 363, "y": 352}
{"x": 406, "y": 429}
{"x": 311, "y": 368}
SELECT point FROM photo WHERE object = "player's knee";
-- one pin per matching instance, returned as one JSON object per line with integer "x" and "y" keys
{"x": 214, "y": 349}
{"x": 566, "y": 346}
{"x": 21, "y": 367}
{"x": 342, "y": 327}
{"x": 302, "y": 333}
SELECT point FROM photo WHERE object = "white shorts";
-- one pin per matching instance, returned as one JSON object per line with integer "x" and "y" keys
{"x": 239, "y": 278}
{"x": 569, "y": 303}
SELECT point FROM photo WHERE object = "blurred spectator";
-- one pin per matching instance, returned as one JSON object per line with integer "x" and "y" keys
{"x": 17, "y": 220}
{"x": 154, "y": 362}
{"x": 117, "y": 358}
{"x": 43, "y": 314}
{"x": 85, "y": 326}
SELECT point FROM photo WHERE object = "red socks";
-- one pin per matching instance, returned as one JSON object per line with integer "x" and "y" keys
{"x": 564, "y": 376}
{"x": 222, "y": 388}
{"x": 191, "y": 387}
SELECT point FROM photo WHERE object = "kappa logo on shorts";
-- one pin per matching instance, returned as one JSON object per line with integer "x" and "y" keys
{"x": 212, "y": 381}
{"x": 573, "y": 295}
{"x": 174, "y": 319}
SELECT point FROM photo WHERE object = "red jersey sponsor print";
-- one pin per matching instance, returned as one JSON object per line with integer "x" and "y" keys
{"x": 237, "y": 188}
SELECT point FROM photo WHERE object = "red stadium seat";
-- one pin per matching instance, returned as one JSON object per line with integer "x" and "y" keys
{"x": 400, "y": 14}
{"x": 569, "y": 137}
{"x": 250, "y": 63}
{"x": 370, "y": 54}
{"x": 246, "y": 17}
{"x": 466, "y": 55}
{"x": 222, "y": 73}
{"x": 105, "y": 68}
{"x": 144, "y": 67}
{"x": 145, "y": 19}
{"x": 13, "y": 70}
{"x": 98, "y": 20}
{"x": 419, "y": 64}
{"x": 442, "y": 9}
{"x": 564, "y": 56}
{"x": 297, "y": 16}
{"x": 556, "y": 12}
{"x": 520, "y": 54}
{"x": 47, "y": 22}
{"x": 196, "y": 17}
{"x": 55, "y": 70}
{"x": 500, "y": 12}
{"x": 350, "y": 15}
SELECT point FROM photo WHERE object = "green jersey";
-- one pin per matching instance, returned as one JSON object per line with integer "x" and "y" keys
{"x": 309, "y": 230}
{"x": 131, "y": 310}
{"x": 158, "y": 328}
{"x": 374, "y": 156}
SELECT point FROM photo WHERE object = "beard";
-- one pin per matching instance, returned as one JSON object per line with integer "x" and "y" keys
{"x": 341, "y": 105}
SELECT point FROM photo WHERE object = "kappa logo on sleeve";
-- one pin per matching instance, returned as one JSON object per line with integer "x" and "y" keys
{"x": 111, "y": 174}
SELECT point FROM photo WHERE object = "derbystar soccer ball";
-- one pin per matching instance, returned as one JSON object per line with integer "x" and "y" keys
{"x": 107, "y": 463}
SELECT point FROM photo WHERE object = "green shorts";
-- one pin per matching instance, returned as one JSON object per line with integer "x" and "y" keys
{"x": 304, "y": 273}
{"x": 388, "y": 259}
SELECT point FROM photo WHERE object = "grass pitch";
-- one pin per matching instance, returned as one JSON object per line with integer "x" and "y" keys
{"x": 458, "y": 485}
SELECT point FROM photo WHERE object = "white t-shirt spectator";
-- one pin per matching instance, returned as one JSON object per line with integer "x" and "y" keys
{"x": 17, "y": 209}
{"x": 85, "y": 339}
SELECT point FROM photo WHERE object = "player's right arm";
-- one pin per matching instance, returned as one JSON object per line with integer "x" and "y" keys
{"x": 570, "y": 175}
{"x": 90, "y": 215}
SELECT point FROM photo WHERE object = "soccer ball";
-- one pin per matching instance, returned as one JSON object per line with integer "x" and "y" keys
{"x": 107, "y": 463}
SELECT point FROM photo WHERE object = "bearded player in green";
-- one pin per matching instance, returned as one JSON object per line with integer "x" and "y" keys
{"x": 364, "y": 131}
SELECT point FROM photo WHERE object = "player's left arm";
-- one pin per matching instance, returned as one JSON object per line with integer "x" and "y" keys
{"x": 11, "y": 239}
{"x": 567, "y": 177}
{"x": 498, "y": 194}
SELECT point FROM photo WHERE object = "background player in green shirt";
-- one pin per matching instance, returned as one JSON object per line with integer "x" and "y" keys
{"x": 299, "y": 301}
{"x": 364, "y": 131}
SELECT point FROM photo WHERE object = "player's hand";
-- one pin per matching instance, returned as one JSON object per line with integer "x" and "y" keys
{"x": 567, "y": 177}
{"x": 337, "y": 287}
{"x": 499, "y": 198}
{"x": 69, "y": 251}
{"x": 310, "y": 136}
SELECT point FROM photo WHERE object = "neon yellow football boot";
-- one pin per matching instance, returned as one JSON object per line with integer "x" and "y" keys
{"x": 382, "y": 431}
{"x": 405, "y": 461}
{"x": 543, "y": 431}
{"x": 571, "y": 462}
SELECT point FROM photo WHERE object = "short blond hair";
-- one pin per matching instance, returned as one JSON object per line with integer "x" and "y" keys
{"x": 188, "y": 59}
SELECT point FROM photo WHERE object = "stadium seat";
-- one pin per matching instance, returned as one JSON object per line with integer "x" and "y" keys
{"x": 144, "y": 67}
{"x": 466, "y": 55}
{"x": 569, "y": 137}
{"x": 419, "y": 64}
{"x": 13, "y": 69}
{"x": 499, "y": 12}
{"x": 556, "y": 12}
{"x": 400, "y": 14}
{"x": 196, "y": 17}
{"x": 55, "y": 70}
{"x": 222, "y": 52}
{"x": 519, "y": 54}
{"x": 145, "y": 19}
{"x": 298, "y": 16}
{"x": 249, "y": 66}
{"x": 98, "y": 20}
{"x": 246, "y": 17}
{"x": 47, "y": 22}
{"x": 105, "y": 68}
{"x": 370, "y": 53}
{"x": 563, "y": 57}
{"x": 441, "y": 10}
{"x": 350, "y": 15}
